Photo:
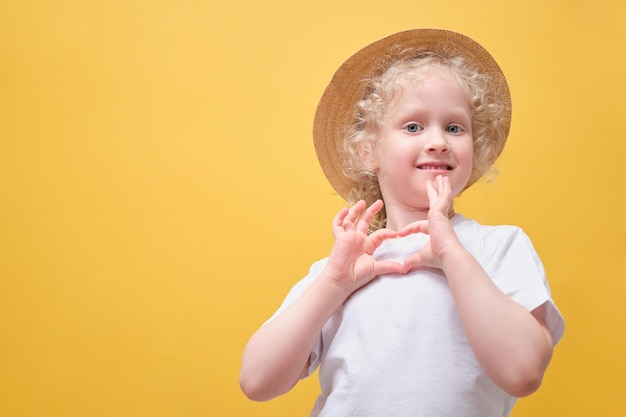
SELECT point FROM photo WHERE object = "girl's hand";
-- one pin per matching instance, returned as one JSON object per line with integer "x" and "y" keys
{"x": 351, "y": 264}
{"x": 442, "y": 235}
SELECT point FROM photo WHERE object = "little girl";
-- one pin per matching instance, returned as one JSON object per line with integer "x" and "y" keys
{"x": 417, "y": 311}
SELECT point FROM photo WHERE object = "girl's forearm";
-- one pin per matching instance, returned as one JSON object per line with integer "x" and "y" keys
{"x": 277, "y": 355}
{"x": 511, "y": 344}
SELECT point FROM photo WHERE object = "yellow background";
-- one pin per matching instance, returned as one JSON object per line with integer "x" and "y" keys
{"x": 159, "y": 191}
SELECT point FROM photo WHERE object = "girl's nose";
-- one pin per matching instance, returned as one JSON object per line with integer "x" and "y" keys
{"x": 437, "y": 143}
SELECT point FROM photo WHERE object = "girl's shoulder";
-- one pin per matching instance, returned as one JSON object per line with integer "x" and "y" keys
{"x": 465, "y": 227}
{"x": 486, "y": 241}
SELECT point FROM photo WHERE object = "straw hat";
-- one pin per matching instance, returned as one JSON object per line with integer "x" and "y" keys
{"x": 335, "y": 111}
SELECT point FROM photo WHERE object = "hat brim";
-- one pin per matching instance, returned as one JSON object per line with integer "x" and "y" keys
{"x": 335, "y": 111}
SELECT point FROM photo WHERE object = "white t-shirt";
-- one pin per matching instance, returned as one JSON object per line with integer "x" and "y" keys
{"x": 396, "y": 348}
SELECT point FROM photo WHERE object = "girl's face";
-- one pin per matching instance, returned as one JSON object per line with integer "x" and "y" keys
{"x": 427, "y": 131}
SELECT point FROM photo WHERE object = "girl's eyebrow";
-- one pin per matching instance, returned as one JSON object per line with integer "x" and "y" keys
{"x": 416, "y": 112}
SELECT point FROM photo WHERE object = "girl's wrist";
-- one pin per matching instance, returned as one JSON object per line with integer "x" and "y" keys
{"x": 333, "y": 288}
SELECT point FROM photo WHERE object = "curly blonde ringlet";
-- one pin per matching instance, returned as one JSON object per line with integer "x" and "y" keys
{"x": 353, "y": 105}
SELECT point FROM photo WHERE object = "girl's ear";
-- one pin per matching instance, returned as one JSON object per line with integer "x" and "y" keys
{"x": 368, "y": 156}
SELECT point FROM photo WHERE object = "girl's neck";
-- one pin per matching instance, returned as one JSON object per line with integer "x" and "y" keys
{"x": 398, "y": 219}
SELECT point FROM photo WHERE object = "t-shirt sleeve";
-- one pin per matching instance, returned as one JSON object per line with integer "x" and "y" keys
{"x": 295, "y": 292}
{"x": 514, "y": 265}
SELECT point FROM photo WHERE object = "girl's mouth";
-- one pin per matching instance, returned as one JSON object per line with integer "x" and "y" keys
{"x": 435, "y": 167}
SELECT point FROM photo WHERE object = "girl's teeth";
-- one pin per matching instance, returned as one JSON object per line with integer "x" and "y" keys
{"x": 433, "y": 167}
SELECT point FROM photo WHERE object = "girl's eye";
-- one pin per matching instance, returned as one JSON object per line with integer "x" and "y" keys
{"x": 413, "y": 127}
{"x": 454, "y": 129}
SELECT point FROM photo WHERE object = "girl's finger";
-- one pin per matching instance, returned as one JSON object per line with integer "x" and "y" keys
{"x": 354, "y": 212}
{"x": 338, "y": 221}
{"x": 412, "y": 262}
{"x": 431, "y": 192}
{"x": 388, "y": 267}
{"x": 379, "y": 236}
{"x": 420, "y": 226}
{"x": 369, "y": 214}
{"x": 445, "y": 193}
{"x": 439, "y": 193}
